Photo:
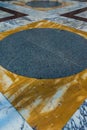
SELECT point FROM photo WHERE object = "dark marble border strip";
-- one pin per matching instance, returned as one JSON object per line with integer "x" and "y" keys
{"x": 15, "y": 14}
{"x": 73, "y": 13}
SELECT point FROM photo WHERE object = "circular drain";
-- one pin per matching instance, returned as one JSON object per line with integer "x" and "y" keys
{"x": 44, "y": 53}
{"x": 43, "y": 4}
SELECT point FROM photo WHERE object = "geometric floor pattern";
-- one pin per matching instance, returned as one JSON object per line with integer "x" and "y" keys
{"x": 44, "y": 56}
{"x": 43, "y": 65}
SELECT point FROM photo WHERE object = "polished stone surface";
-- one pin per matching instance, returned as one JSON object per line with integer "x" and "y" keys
{"x": 43, "y": 103}
{"x": 14, "y": 14}
{"x": 82, "y": 14}
{"x": 51, "y": 15}
{"x": 53, "y": 54}
{"x": 43, "y": 4}
{"x": 76, "y": 14}
{"x": 10, "y": 119}
{"x": 4, "y": 14}
{"x": 18, "y": 22}
{"x": 79, "y": 120}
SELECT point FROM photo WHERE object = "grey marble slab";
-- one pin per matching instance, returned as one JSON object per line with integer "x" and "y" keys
{"x": 32, "y": 16}
{"x": 83, "y": 14}
{"x": 10, "y": 119}
{"x": 55, "y": 16}
{"x": 51, "y": 15}
{"x": 4, "y": 14}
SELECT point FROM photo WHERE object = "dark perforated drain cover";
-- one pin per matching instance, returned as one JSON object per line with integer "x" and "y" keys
{"x": 43, "y": 4}
{"x": 44, "y": 53}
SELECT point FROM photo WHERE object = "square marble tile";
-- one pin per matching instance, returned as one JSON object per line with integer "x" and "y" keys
{"x": 10, "y": 119}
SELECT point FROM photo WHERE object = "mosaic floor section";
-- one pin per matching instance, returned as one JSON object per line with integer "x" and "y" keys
{"x": 43, "y": 65}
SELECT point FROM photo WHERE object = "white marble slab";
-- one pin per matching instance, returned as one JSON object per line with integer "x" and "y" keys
{"x": 55, "y": 16}
{"x": 83, "y": 14}
{"x": 10, "y": 119}
{"x": 4, "y": 14}
{"x": 51, "y": 15}
{"x": 32, "y": 16}
{"x": 79, "y": 120}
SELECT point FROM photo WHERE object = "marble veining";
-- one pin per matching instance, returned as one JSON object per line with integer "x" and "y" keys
{"x": 52, "y": 15}
{"x": 55, "y": 16}
{"x": 12, "y": 24}
{"x": 83, "y": 14}
{"x": 10, "y": 119}
{"x": 4, "y": 14}
{"x": 43, "y": 103}
{"x": 79, "y": 120}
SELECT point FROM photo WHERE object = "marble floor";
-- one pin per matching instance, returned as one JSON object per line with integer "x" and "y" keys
{"x": 43, "y": 65}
